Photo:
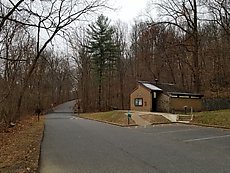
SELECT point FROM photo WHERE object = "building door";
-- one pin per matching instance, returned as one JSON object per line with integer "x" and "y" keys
{"x": 154, "y": 101}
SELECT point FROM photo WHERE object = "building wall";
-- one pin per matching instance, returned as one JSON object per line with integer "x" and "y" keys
{"x": 178, "y": 104}
{"x": 144, "y": 93}
{"x": 163, "y": 103}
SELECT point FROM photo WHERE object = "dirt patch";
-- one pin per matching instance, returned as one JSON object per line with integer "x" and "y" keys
{"x": 155, "y": 119}
{"x": 20, "y": 146}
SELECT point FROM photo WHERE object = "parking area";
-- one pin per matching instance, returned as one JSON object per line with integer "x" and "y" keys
{"x": 184, "y": 148}
{"x": 188, "y": 133}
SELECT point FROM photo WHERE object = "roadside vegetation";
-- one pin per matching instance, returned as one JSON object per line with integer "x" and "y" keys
{"x": 20, "y": 146}
{"x": 117, "y": 117}
{"x": 218, "y": 118}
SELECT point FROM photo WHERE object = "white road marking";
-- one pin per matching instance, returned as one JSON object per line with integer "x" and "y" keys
{"x": 208, "y": 138}
{"x": 173, "y": 131}
{"x": 176, "y": 131}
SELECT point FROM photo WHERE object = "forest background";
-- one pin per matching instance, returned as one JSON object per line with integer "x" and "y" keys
{"x": 187, "y": 44}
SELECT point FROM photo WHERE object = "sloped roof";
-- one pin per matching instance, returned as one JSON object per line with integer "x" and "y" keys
{"x": 170, "y": 89}
{"x": 150, "y": 86}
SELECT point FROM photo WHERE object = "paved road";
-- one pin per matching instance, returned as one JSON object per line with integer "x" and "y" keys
{"x": 81, "y": 146}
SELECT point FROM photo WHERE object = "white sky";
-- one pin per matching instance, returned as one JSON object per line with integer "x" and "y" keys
{"x": 127, "y": 10}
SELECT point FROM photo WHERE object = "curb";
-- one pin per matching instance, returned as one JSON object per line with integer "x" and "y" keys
{"x": 108, "y": 122}
{"x": 162, "y": 123}
{"x": 206, "y": 125}
{"x": 135, "y": 125}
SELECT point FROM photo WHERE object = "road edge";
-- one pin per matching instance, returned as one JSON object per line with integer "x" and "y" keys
{"x": 40, "y": 152}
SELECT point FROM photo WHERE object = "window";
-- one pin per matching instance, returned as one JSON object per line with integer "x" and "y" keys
{"x": 195, "y": 97}
{"x": 185, "y": 97}
{"x": 138, "y": 102}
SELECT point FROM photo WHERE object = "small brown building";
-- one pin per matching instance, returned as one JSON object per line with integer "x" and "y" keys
{"x": 163, "y": 98}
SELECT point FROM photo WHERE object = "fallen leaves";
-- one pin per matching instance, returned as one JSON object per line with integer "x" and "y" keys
{"x": 20, "y": 146}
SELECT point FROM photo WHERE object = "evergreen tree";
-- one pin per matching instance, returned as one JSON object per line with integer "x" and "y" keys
{"x": 102, "y": 49}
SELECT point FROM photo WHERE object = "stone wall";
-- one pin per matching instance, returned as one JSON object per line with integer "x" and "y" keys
{"x": 163, "y": 103}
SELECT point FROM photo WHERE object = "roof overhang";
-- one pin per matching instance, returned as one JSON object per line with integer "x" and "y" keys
{"x": 185, "y": 94}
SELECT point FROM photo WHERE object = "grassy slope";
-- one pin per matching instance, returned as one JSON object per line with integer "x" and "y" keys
{"x": 118, "y": 117}
{"x": 221, "y": 118}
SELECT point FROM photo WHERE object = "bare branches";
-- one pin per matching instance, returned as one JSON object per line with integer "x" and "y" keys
{"x": 42, "y": 21}
{"x": 6, "y": 17}
{"x": 13, "y": 60}
{"x": 220, "y": 12}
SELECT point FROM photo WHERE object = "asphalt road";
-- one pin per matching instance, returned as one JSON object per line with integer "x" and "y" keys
{"x": 74, "y": 145}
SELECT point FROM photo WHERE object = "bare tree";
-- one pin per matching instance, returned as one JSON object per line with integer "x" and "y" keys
{"x": 48, "y": 19}
{"x": 183, "y": 14}
{"x": 5, "y": 15}
{"x": 220, "y": 13}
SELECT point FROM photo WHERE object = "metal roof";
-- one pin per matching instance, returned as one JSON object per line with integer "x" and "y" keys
{"x": 169, "y": 89}
{"x": 150, "y": 86}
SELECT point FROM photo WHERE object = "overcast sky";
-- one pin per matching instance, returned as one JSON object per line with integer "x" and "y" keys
{"x": 127, "y": 10}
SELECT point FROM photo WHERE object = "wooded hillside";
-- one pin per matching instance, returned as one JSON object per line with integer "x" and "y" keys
{"x": 187, "y": 44}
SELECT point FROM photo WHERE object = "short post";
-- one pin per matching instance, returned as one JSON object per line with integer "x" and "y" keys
{"x": 191, "y": 114}
{"x": 185, "y": 110}
{"x": 78, "y": 110}
{"x": 38, "y": 112}
{"x": 129, "y": 116}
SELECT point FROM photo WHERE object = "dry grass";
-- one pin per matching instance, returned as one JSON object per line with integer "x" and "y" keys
{"x": 20, "y": 147}
{"x": 155, "y": 119}
{"x": 219, "y": 118}
{"x": 117, "y": 117}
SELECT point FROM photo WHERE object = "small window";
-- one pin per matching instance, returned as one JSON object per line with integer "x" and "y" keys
{"x": 138, "y": 102}
{"x": 195, "y": 97}
{"x": 185, "y": 97}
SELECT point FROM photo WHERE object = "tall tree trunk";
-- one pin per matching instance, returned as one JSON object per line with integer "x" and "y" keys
{"x": 196, "y": 51}
{"x": 99, "y": 90}
{"x": 121, "y": 91}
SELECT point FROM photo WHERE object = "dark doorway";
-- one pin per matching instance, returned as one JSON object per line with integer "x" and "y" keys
{"x": 154, "y": 101}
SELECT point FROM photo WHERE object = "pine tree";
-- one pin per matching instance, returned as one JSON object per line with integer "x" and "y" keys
{"x": 102, "y": 49}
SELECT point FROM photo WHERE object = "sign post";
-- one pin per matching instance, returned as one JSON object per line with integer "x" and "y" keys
{"x": 129, "y": 116}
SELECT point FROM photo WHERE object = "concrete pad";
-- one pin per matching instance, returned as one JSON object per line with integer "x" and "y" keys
{"x": 138, "y": 120}
{"x": 170, "y": 117}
